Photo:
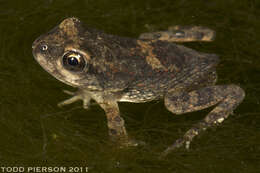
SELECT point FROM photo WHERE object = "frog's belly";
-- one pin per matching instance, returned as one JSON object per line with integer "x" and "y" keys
{"x": 139, "y": 96}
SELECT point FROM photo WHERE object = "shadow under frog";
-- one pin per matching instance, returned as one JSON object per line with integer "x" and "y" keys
{"x": 111, "y": 69}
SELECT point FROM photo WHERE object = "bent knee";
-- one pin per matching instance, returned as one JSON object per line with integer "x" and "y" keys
{"x": 174, "y": 106}
{"x": 236, "y": 92}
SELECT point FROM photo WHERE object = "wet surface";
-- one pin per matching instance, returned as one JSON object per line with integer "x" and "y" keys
{"x": 35, "y": 132}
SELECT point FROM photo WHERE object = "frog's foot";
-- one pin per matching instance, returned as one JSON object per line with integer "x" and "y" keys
{"x": 227, "y": 98}
{"x": 78, "y": 95}
{"x": 181, "y": 34}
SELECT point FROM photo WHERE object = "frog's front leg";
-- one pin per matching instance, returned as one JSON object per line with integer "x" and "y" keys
{"x": 181, "y": 34}
{"x": 115, "y": 123}
{"x": 227, "y": 98}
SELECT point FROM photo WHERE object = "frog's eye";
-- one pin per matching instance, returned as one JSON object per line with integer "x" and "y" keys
{"x": 73, "y": 61}
{"x": 44, "y": 47}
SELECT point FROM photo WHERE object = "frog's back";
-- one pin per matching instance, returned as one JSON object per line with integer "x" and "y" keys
{"x": 144, "y": 68}
{"x": 176, "y": 58}
{"x": 169, "y": 66}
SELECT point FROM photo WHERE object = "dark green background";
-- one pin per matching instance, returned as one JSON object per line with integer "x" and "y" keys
{"x": 34, "y": 131}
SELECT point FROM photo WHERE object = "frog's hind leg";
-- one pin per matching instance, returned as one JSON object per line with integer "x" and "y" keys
{"x": 181, "y": 34}
{"x": 226, "y": 97}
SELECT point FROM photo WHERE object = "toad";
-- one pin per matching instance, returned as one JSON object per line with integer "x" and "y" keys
{"x": 110, "y": 69}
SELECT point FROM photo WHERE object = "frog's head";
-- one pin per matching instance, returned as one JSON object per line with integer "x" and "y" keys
{"x": 59, "y": 52}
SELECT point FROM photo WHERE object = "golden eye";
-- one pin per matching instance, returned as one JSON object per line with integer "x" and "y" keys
{"x": 73, "y": 61}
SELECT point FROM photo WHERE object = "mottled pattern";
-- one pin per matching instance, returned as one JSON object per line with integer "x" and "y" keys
{"x": 150, "y": 57}
{"x": 120, "y": 69}
{"x": 181, "y": 34}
